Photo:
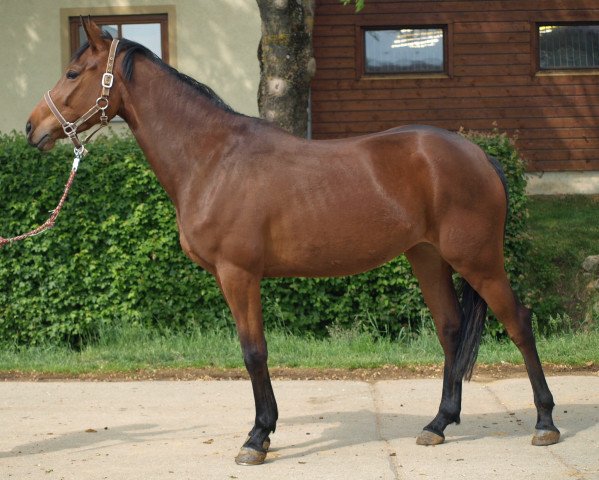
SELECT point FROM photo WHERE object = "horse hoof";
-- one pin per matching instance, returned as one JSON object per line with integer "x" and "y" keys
{"x": 429, "y": 438}
{"x": 249, "y": 456}
{"x": 545, "y": 437}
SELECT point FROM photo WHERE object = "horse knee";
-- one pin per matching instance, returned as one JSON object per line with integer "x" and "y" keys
{"x": 254, "y": 357}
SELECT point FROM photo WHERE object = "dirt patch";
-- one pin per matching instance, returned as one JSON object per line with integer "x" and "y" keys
{"x": 388, "y": 372}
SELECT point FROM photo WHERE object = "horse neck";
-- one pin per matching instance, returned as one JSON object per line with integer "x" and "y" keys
{"x": 179, "y": 130}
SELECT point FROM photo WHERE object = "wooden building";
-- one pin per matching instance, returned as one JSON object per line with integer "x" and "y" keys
{"x": 527, "y": 67}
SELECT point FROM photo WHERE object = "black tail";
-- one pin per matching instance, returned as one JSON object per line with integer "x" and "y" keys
{"x": 474, "y": 311}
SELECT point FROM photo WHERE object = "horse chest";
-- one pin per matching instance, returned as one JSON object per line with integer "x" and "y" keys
{"x": 201, "y": 253}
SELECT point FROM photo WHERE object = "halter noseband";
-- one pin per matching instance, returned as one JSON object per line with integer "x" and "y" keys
{"x": 70, "y": 128}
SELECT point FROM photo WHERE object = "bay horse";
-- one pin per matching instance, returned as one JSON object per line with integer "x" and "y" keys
{"x": 252, "y": 201}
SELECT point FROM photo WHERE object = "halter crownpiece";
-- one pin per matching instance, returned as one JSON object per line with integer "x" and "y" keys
{"x": 70, "y": 128}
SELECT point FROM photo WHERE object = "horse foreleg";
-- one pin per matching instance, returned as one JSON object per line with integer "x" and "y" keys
{"x": 241, "y": 290}
{"x": 434, "y": 277}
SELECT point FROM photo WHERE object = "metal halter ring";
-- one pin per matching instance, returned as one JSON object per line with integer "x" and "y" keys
{"x": 80, "y": 151}
{"x": 99, "y": 100}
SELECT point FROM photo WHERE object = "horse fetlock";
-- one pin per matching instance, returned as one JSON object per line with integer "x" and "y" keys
{"x": 266, "y": 422}
{"x": 449, "y": 414}
{"x": 258, "y": 438}
{"x": 437, "y": 426}
{"x": 257, "y": 442}
{"x": 545, "y": 403}
{"x": 546, "y": 423}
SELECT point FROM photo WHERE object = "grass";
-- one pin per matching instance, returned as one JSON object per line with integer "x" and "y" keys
{"x": 564, "y": 231}
{"x": 133, "y": 349}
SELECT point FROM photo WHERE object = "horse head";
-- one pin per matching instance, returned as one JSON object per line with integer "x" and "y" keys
{"x": 80, "y": 98}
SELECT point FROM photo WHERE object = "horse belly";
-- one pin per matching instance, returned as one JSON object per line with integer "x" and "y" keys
{"x": 346, "y": 243}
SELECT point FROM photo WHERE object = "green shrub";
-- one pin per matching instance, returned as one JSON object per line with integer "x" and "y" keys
{"x": 114, "y": 256}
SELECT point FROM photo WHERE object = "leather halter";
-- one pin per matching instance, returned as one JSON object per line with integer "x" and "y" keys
{"x": 70, "y": 128}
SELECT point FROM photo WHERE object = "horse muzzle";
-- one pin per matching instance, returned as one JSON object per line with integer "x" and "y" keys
{"x": 40, "y": 138}
{"x": 42, "y": 129}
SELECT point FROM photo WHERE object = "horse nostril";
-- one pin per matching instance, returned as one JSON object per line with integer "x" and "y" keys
{"x": 28, "y": 128}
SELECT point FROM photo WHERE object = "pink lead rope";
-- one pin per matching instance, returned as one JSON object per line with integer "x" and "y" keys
{"x": 50, "y": 222}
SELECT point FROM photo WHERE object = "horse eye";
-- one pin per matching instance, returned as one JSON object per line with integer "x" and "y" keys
{"x": 72, "y": 74}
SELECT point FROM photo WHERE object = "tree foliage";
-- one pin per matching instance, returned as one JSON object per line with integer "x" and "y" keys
{"x": 358, "y": 3}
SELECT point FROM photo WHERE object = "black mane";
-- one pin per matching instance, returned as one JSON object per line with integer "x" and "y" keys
{"x": 133, "y": 49}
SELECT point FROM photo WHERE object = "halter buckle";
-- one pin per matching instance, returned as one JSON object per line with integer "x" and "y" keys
{"x": 107, "y": 80}
{"x": 70, "y": 129}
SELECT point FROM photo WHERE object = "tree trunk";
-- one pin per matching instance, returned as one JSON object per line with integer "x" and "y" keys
{"x": 286, "y": 63}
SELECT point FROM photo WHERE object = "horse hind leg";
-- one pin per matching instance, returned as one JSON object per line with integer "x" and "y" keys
{"x": 435, "y": 278}
{"x": 496, "y": 290}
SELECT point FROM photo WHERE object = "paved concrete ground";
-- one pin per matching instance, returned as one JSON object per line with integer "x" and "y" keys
{"x": 327, "y": 430}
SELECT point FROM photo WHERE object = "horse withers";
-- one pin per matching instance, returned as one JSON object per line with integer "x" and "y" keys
{"x": 253, "y": 201}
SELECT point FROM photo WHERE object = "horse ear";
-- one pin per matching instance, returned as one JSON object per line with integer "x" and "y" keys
{"x": 93, "y": 32}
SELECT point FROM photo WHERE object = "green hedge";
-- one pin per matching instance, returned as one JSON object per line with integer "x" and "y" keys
{"x": 114, "y": 256}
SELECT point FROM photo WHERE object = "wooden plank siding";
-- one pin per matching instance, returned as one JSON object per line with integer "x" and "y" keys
{"x": 491, "y": 80}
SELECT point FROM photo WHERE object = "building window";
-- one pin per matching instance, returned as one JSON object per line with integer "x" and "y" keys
{"x": 404, "y": 50}
{"x": 149, "y": 30}
{"x": 568, "y": 47}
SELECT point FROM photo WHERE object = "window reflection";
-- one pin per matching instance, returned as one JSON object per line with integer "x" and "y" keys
{"x": 568, "y": 46}
{"x": 404, "y": 50}
{"x": 148, "y": 34}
